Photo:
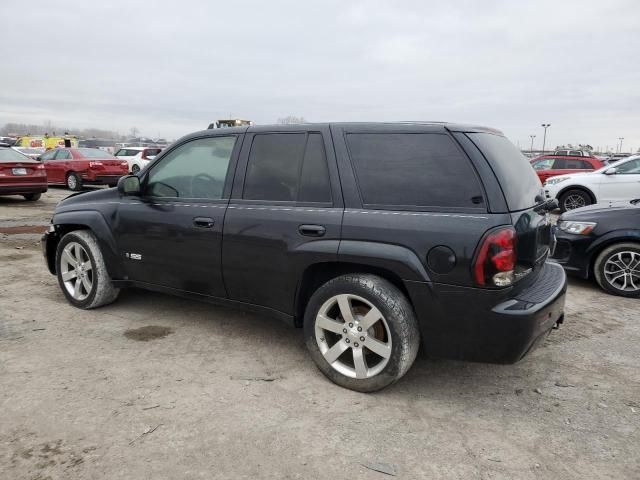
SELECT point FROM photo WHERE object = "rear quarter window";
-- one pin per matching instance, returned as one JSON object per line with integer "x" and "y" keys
{"x": 420, "y": 170}
{"x": 520, "y": 184}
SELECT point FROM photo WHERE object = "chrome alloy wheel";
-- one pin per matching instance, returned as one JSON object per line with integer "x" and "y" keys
{"x": 353, "y": 336}
{"x": 72, "y": 182}
{"x": 574, "y": 201}
{"x": 76, "y": 271}
{"x": 622, "y": 271}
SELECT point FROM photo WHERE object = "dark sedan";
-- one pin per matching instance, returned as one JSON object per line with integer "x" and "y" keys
{"x": 602, "y": 243}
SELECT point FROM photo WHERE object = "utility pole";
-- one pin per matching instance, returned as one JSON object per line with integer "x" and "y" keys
{"x": 621, "y": 139}
{"x": 532, "y": 137}
{"x": 544, "y": 141}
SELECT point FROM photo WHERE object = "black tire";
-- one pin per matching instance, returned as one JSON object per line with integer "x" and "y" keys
{"x": 73, "y": 182}
{"x": 32, "y": 197}
{"x": 396, "y": 311}
{"x": 135, "y": 169}
{"x": 102, "y": 291}
{"x": 625, "y": 250}
{"x": 574, "y": 198}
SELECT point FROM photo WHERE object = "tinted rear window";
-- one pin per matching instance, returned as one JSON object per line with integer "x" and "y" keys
{"x": 519, "y": 182}
{"x": 413, "y": 170}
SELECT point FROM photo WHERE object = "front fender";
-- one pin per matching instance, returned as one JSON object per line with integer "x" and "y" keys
{"x": 94, "y": 221}
{"x": 615, "y": 236}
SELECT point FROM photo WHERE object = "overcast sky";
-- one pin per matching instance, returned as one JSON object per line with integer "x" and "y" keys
{"x": 172, "y": 67}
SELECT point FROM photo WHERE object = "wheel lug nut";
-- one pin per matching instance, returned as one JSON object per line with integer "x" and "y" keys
{"x": 356, "y": 344}
{"x": 344, "y": 330}
{"x": 348, "y": 341}
{"x": 359, "y": 329}
{"x": 362, "y": 339}
{"x": 351, "y": 325}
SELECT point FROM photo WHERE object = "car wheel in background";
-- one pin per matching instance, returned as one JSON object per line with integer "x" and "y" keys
{"x": 617, "y": 269}
{"x": 135, "y": 169}
{"x": 573, "y": 199}
{"x": 81, "y": 271}
{"x": 73, "y": 182}
{"x": 361, "y": 332}
{"x": 32, "y": 197}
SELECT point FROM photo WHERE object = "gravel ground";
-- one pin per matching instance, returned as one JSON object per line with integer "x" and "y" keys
{"x": 160, "y": 387}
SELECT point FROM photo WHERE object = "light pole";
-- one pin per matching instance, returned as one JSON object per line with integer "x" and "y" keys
{"x": 532, "y": 137}
{"x": 544, "y": 140}
{"x": 621, "y": 139}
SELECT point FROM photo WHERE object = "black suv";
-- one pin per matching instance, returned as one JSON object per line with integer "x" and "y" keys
{"x": 373, "y": 237}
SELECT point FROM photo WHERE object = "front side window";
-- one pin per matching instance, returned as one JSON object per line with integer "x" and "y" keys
{"x": 196, "y": 169}
{"x": 48, "y": 155}
{"x": 63, "y": 155}
{"x": 631, "y": 167}
{"x": 413, "y": 169}
{"x": 288, "y": 167}
{"x": 543, "y": 164}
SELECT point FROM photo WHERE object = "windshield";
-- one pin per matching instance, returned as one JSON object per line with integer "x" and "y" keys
{"x": 10, "y": 155}
{"x": 618, "y": 163}
{"x": 95, "y": 153}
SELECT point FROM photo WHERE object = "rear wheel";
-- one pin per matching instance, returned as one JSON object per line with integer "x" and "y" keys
{"x": 573, "y": 199}
{"x": 361, "y": 332}
{"x": 32, "y": 197}
{"x": 73, "y": 182}
{"x": 135, "y": 169}
{"x": 81, "y": 271}
{"x": 617, "y": 269}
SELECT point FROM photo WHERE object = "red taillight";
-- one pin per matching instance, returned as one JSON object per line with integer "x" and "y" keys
{"x": 40, "y": 167}
{"x": 496, "y": 259}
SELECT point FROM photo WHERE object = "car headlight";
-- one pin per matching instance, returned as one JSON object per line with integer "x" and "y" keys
{"x": 577, "y": 228}
{"x": 554, "y": 181}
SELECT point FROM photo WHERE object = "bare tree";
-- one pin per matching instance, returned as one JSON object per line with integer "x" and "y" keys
{"x": 291, "y": 119}
{"x": 134, "y": 131}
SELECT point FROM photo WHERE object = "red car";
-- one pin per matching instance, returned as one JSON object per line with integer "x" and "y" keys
{"x": 75, "y": 167}
{"x": 551, "y": 165}
{"x": 21, "y": 175}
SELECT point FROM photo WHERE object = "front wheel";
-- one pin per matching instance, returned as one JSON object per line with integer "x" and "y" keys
{"x": 81, "y": 271}
{"x": 135, "y": 169}
{"x": 573, "y": 199}
{"x": 32, "y": 197}
{"x": 361, "y": 332}
{"x": 617, "y": 269}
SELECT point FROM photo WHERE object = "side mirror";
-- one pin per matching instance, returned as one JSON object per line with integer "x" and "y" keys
{"x": 129, "y": 185}
{"x": 611, "y": 171}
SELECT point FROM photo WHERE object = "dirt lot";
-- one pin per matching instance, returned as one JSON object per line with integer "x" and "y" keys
{"x": 159, "y": 387}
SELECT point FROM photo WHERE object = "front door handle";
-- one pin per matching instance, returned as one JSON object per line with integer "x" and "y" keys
{"x": 312, "y": 230}
{"x": 203, "y": 222}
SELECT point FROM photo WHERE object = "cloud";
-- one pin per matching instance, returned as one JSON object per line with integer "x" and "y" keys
{"x": 170, "y": 68}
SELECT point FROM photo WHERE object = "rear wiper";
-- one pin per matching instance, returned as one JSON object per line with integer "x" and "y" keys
{"x": 547, "y": 206}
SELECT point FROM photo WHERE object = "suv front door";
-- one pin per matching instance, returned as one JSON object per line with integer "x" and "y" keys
{"x": 624, "y": 184}
{"x": 171, "y": 235}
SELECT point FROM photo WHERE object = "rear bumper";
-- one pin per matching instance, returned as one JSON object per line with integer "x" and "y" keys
{"x": 489, "y": 325}
{"x": 19, "y": 189}
{"x": 103, "y": 179}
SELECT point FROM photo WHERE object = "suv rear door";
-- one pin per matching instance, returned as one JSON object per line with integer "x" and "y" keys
{"x": 285, "y": 213}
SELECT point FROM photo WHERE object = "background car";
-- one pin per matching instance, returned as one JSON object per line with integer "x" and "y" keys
{"x": 617, "y": 183}
{"x": 21, "y": 175}
{"x": 138, "y": 157}
{"x": 602, "y": 243}
{"x": 549, "y": 166}
{"x": 75, "y": 167}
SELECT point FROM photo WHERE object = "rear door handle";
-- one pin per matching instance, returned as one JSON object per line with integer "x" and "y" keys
{"x": 203, "y": 222}
{"x": 312, "y": 230}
